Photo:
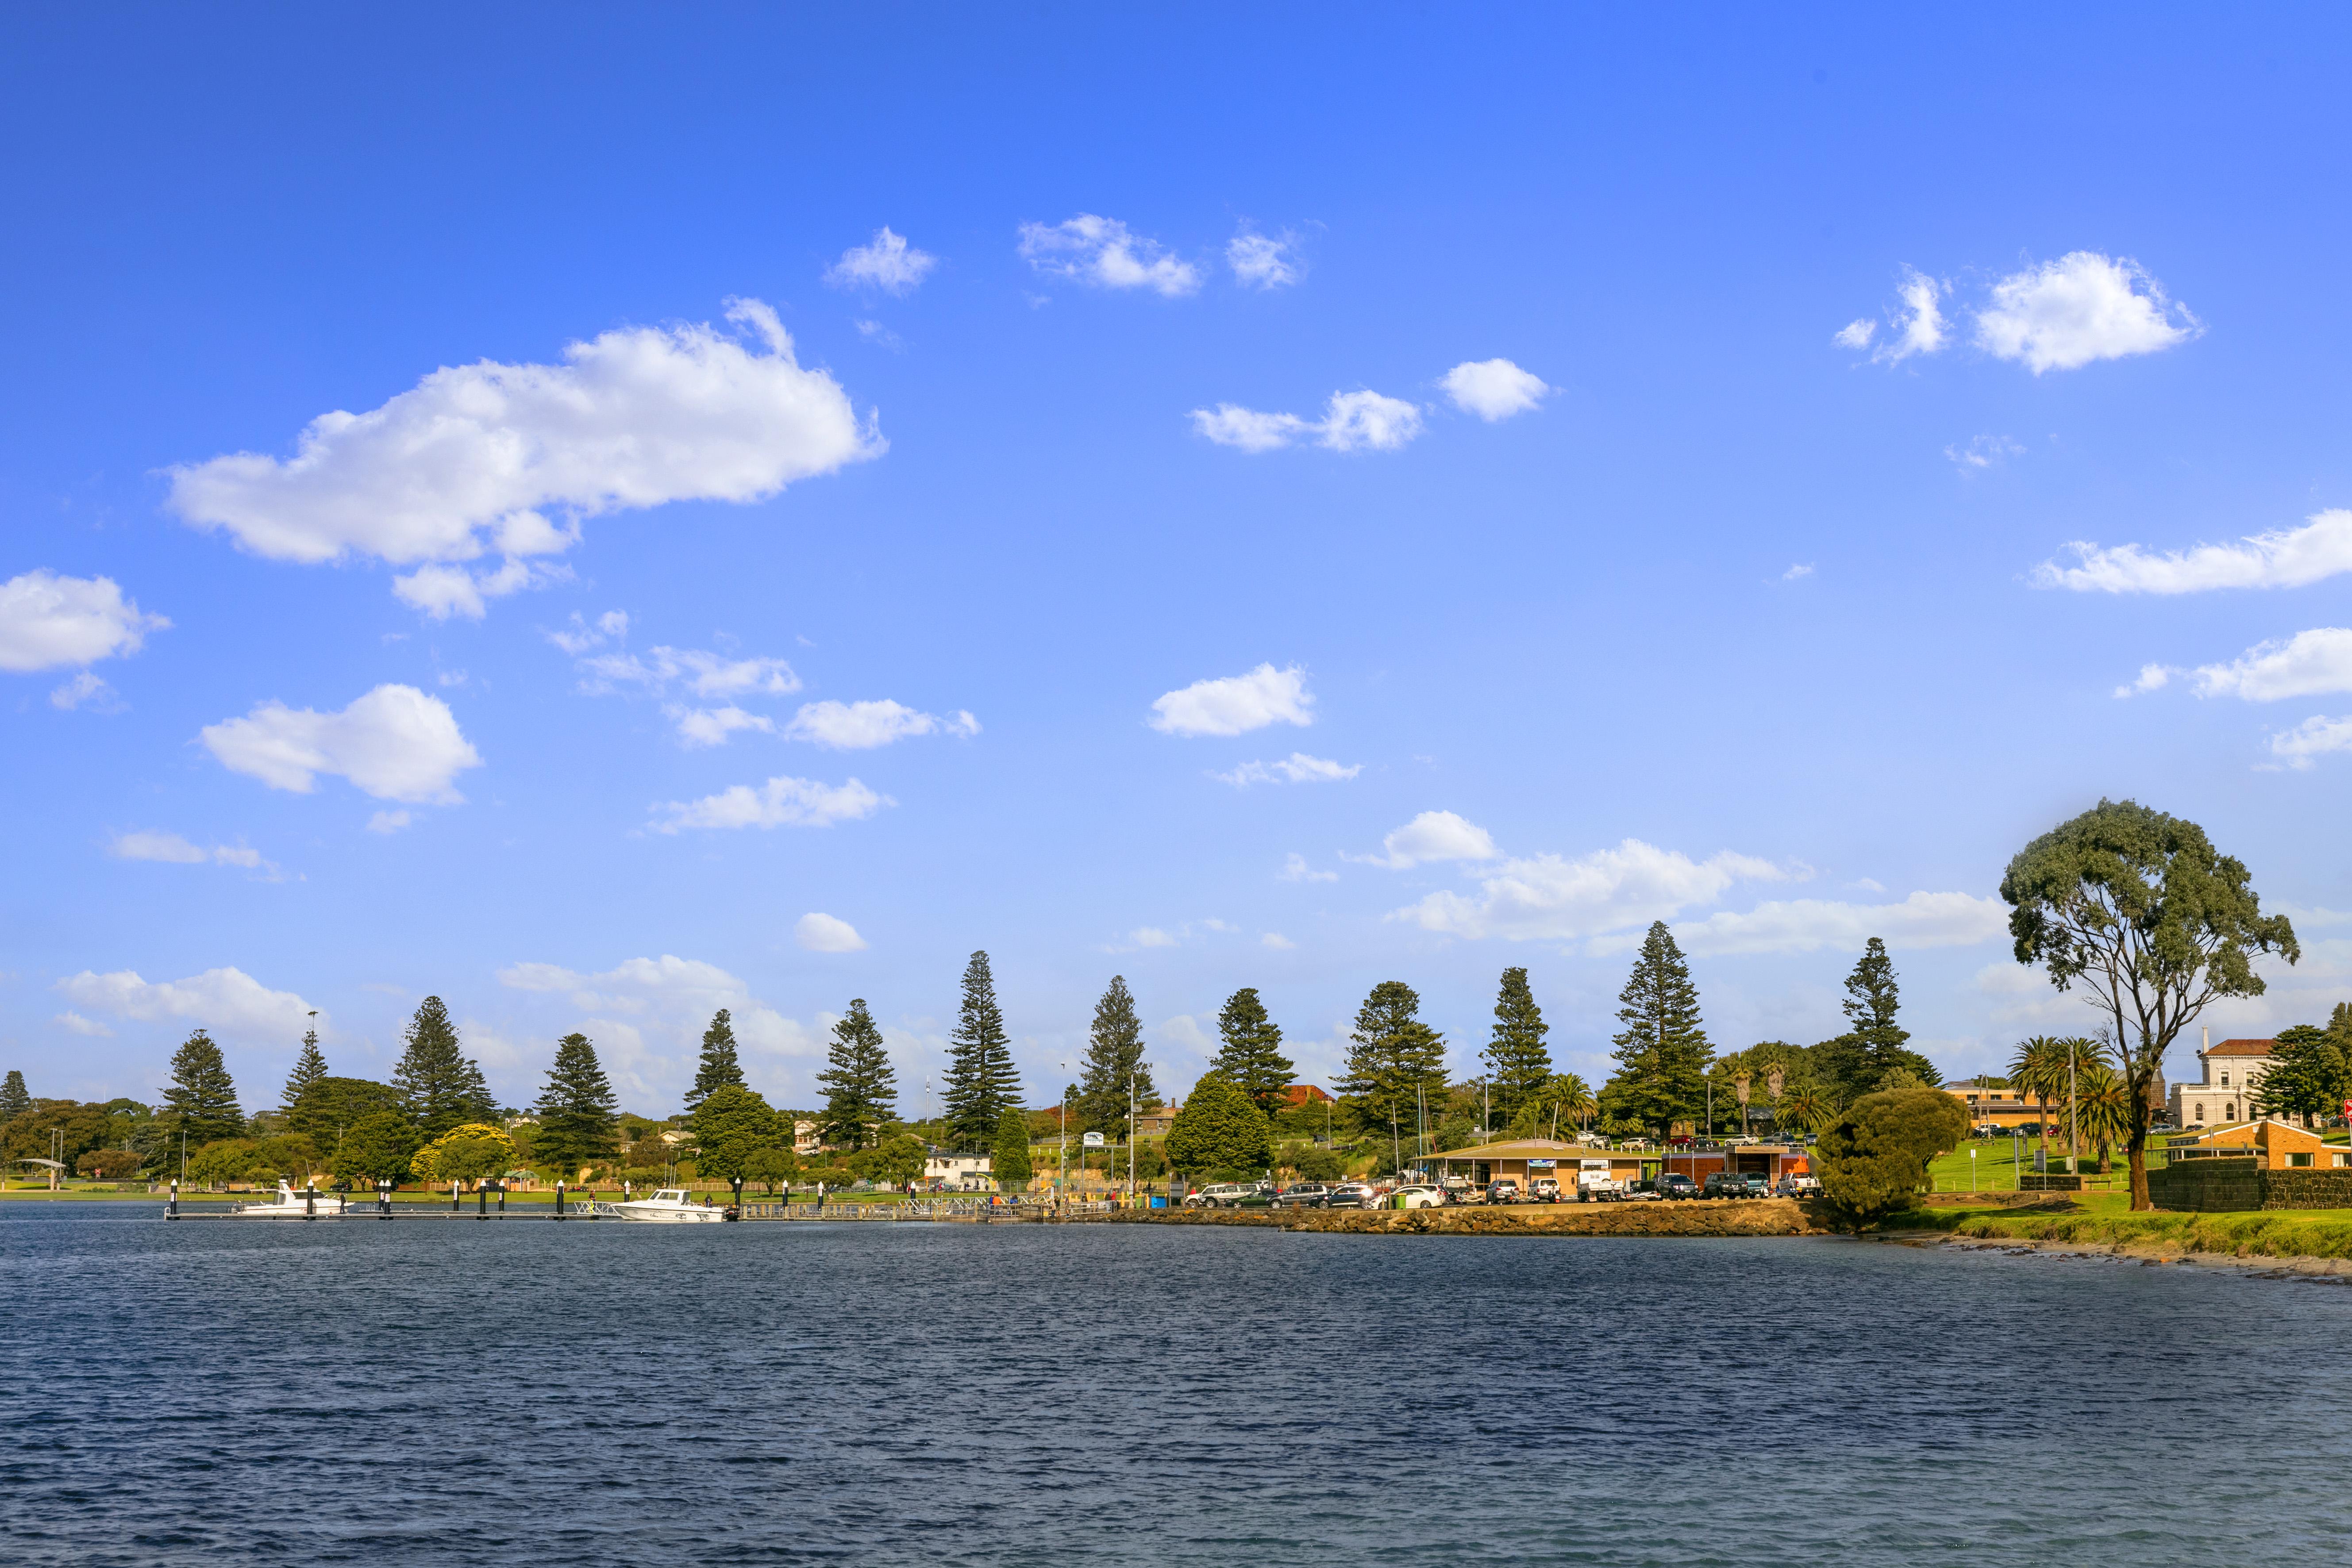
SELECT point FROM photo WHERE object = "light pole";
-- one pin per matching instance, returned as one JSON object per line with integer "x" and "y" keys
{"x": 1062, "y": 1177}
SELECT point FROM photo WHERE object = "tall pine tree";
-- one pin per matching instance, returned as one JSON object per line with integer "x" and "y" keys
{"x": 1252, "y": 1055}
{"x": 861, "y": 1091}
{"x": 719, "y": 1067}
{"x": 309, "y": 1067}
{"x": 1518, "y": 1063}
{"x": 14, "y": 1098}
{"x": 440, "y": 1087}
{"x": 1871, "y": 1002}
{"x": 200, "y": 1101}
{"x": 1661, "y": 1052}
{"x": 1114, "y": 1068}
{"x": 578, "y": 1119}
{"x": 1396, "y": 1063}
{"x": 980, "y": 1081}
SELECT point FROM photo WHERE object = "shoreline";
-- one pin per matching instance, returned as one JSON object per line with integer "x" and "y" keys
{"x": 1695, "y": 1218}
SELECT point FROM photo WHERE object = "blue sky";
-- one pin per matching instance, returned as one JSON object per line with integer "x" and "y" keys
{"x": 1325, "y": 496}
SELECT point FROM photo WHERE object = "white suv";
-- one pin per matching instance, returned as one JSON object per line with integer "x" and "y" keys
{"x": 1223, "y": 1195}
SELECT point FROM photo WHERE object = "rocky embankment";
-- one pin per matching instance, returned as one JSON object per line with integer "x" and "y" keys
{"x": 1738, "y": 1216}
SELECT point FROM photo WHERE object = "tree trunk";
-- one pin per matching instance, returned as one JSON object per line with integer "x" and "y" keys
{"x": 2137, "y": 1149}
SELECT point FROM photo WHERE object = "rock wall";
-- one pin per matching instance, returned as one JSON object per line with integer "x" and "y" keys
{"x": 1738, "y": 1217}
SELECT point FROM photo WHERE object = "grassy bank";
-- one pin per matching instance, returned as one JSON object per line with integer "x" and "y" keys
{"x": 2295, "y": 1233}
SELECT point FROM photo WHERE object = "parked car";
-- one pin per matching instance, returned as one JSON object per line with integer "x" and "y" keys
{"x": 1457, "y": 1187}
{"x": 1223, "y": 1195}
{"x": 1724, "y": 1184}
{"x": 1351, "y": 1194}
{"x": 1759, "y": 1185}
{"x": 1304, "y": 1194}
{"x": 1420, "y": 1195}
{"x": 1544, "y": 1189}
{"x": 1798, "y": 1186}
{"x": 1674, "y": 1184}
{"x": 1591, "y": 1188}
{"x": 1502, "y": 1189}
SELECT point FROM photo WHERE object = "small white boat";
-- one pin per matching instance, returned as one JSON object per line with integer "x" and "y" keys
{"x": 292, "y": 1204}
{"x": 670, "y": 1207}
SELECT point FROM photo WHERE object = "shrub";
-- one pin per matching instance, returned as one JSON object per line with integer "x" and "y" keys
{"x": 1875, "y": 1158}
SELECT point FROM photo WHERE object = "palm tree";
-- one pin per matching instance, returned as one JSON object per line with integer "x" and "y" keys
{"x": 1564, "y": 1094}
{"x": 2039, "y": 1069}
{"x": 1806, "y": 1107}
{"x": 2104, "y": 1103}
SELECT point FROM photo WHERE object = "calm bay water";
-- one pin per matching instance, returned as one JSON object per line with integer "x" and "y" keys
{"x": 535, "y": 1393}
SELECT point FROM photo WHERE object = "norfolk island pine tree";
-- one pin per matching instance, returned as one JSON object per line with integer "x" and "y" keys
{"x": 1518, "y": 1063}
{"x": 1662, "y": 1051}
{"x": 861, "y": 1089}
{"x": 980, "y": 1081}
{"x": 440, "y": 1087}
{"x": 1251, "y": 1055}
{"x": 1113, "y": 1075}
{"x": 309, "y": 1067}
{"x": 200, "y": 1100}
{"x": 718, "y": 1067}
{"x": 578, "y": 1119}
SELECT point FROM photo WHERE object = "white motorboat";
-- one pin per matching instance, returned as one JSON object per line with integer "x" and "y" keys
{"x": 292, "y": 1204}
{"x": 670, "y": 1207}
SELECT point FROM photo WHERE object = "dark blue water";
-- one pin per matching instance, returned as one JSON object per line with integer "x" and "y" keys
{"x": 540, "y": 1395}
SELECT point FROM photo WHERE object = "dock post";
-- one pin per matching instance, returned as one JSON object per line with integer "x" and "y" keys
{"x": 454, "y": 1201}
{"x": 502, "y": 1200}
{"x": 384, "y": 1197}
{"x": 310, "y": 1201}
{"x": 559, "y": 1198}
{"x": 482, "y": 1202}
{"x": 171, "y": 1209}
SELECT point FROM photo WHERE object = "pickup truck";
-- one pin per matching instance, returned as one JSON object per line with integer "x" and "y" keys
{"x": 1799, "y": 1187}
{"x": 1544, "y": 1189}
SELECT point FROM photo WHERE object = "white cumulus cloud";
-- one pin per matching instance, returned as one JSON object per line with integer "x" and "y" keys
{"x": 173, "y": 850}
{"x": 1433, "y": 836}
{"x": 781, "y": 802}
{"x": 2305, "y": 664}
{"x": 1493, "y": 389}
{"x": 1262, "y": 262}
{"x": 47, "y": 621}
{"x": 389, "y": 822}
{"x": 1915, "y": 326}
{"x": 1296, "y": 869}
{"x": 1552, "y": 897}
{"x": 227, "y": 1001}
{"x": 1235, "y": 704}
{"x": 581, "y": 636}
{"x": 1150, "y": 937}
{"x": 712, "y": 725}
{"x": 2280, "y": 558}
{"x": 1101, "y": 251}
{"x": 396, "y": 743}
{"x": 2082, "y": 307}
{"x": 825, "y": 934}
{"x": 859, "y": 727}
{"x": 648, "y": 1015}
{"x": 1351, "y": 421}
{"x": 90, "y": 1028}
{"x": 888, "y": 263}
{"x": 692, "y": 670}
{"x": 1277, "y": 941}
{"x": 502, "y": 458}
{"x": 1807, "y": 924}
{"x": 1296, "y": 768}
{"x": 2315, "y": 737}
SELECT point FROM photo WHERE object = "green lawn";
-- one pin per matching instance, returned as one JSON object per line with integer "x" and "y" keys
{"x": 2277, "y": 1233}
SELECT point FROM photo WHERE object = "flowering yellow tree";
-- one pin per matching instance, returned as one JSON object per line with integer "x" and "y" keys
{"x": 466, "y": 1153}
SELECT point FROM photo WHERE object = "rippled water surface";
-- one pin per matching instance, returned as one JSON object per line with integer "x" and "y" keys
{"x": 591, "y": 1393}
